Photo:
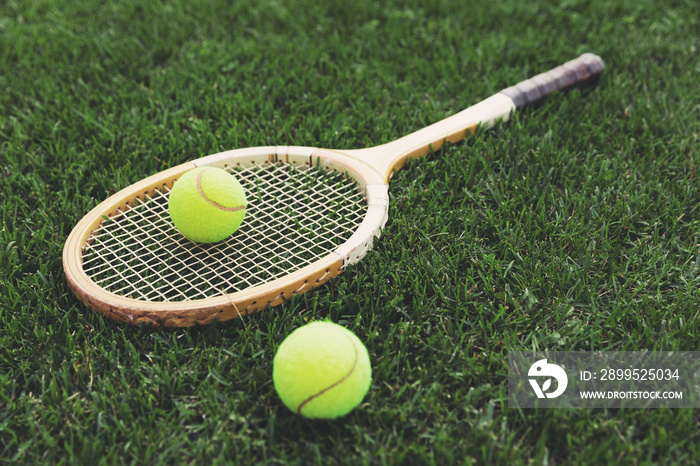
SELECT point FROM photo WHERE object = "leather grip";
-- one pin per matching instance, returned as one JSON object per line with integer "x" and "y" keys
{"x": 571, "y": 73}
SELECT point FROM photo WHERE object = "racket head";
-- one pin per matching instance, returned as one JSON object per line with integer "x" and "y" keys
{"x": 311, "y": 212}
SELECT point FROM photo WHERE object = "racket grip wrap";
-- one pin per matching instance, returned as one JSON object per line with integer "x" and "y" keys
{"x": 577, "y": 71}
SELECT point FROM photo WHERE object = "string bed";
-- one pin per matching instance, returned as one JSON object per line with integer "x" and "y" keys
{"x": 295, "y": 216}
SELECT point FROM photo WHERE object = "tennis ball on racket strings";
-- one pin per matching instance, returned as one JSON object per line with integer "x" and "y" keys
{"x": 207, "y": 204}
{"x": 321, "y": 371}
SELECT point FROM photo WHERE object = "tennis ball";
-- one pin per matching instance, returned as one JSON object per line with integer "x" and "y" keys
{"x": 322, "y": 371}
{"x": 207, "y": 204}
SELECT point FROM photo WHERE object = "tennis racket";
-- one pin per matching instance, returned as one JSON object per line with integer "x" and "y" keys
{"x": 311, "y": 213}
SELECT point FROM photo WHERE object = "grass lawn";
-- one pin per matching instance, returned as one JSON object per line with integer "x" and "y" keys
{"x": 573, "y": 227}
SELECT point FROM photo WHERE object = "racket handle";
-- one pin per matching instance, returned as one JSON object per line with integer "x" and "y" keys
{"x": 571, "y": 73}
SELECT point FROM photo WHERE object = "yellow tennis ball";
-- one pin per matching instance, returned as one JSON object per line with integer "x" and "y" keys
{"x": 207, "y": 204}
{"x": 321, "y": 370}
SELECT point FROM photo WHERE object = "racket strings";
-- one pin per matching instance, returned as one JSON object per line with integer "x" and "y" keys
{"x": 295, "y": 216}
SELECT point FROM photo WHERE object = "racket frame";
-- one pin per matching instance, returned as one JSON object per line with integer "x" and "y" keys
{"x": 229, "y": 305}
{"x": 371, "y": 168}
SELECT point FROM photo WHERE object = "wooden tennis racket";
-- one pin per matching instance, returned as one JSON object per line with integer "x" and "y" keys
{"x": 311, "y": 213}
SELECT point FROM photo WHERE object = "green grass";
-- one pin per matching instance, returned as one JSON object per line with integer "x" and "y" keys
{"x": 573, "y": 227}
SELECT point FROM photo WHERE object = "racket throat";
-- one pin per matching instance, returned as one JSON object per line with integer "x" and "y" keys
{"x": 391, "y": 157}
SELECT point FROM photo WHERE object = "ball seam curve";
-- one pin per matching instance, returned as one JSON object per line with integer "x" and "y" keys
{"x": 345, "y": 377}
{"x": 212, "y": 201}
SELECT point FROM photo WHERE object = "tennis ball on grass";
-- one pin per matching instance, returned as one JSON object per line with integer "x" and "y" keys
{"x": 321, "y": 370}
{"x": 207, "y": 204}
